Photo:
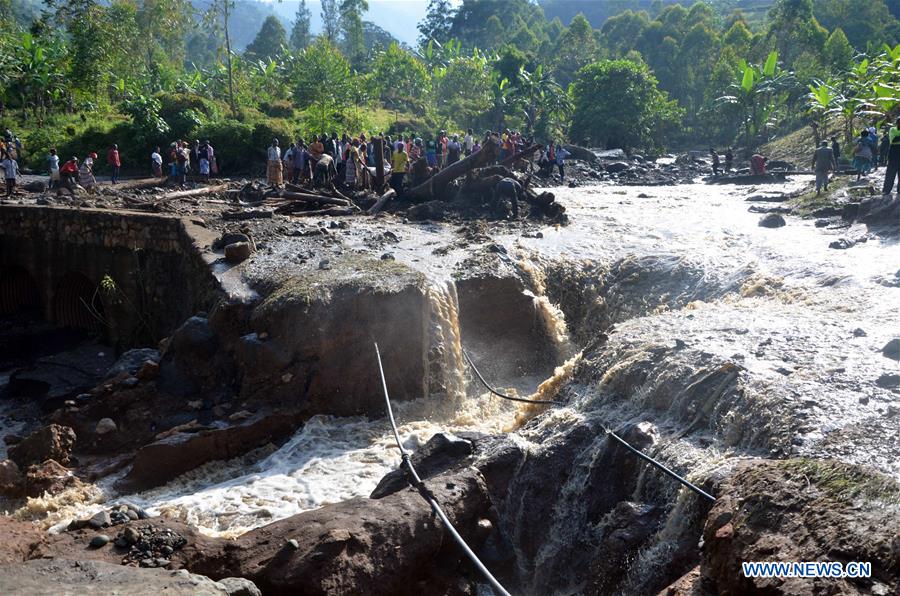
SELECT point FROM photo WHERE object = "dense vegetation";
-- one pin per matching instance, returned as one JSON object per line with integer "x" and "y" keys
{"x": 634, "y": 73}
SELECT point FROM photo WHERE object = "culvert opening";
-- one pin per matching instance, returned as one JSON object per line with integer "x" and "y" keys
{"x": 19, "y": 292}
{"x": 77, "y": 305}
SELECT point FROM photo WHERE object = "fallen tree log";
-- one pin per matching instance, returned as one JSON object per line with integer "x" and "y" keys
{"x": 195, "y": 192}
{"x": 308, "y": 197}
{"x": 509, "y": 161}
{"x": 382, "y": 201}
{"x": 329, "y": 211}
{"x": 438, "y": 183}
{"x": 242, "y": 215}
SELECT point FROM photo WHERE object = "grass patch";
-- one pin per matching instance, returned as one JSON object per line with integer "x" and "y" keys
{"x": 845, "y": 482}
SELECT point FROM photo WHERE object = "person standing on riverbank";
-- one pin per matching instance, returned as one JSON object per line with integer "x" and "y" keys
{"x": 893, "y": 159}
{"x": 10, "y": 172}
{"x": 715, "y": 161}
{"x": 729, "y": 160}
{"x": 823, "y": 163}
{"x": 273, "y": 167}
{"x": 115, "y": 162}
{"x": 156, "y": 163}
{"x": 53, "y": 163}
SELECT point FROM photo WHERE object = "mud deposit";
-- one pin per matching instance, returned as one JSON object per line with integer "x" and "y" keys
{"x": 755, "y": 362}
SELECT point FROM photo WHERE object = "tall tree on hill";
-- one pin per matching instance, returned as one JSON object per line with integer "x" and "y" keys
{"x": 352, "y": 27}
{"x": 437, "y": 22}
{"x": 300, "y": 31}
{"x": 793, "y": 29}
{"x": 331, "y": 20}
{"x": 269, "y": 41}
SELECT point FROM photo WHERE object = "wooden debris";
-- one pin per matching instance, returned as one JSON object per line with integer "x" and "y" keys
{"x": 438, "y": 183}
{"x": 195, "y": 192}
{"x": 382, "y": 201}
{"x": 242, "y": 215}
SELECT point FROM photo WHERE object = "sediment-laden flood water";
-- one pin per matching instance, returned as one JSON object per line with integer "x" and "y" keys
{"x": 684, "y": 266}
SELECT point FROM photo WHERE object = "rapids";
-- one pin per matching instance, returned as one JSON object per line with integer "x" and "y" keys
{"x": 731, "y": 339}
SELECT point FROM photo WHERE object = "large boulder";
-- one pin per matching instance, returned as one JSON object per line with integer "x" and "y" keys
{"x": 48, "y": 442}
{"x": 48, "y": 477}
{"x": 132, "y": 361}
{"x": 319, "y": 330}
{"x": 61, "y": 576}
{"x": 438, "y": 455}
{"x": 389, "y": 546}
{"x": 163, "y": 460}
{"x": 803, "y": 510}
{"x": 772, "y": 220}
{"x": 11, "y": 479}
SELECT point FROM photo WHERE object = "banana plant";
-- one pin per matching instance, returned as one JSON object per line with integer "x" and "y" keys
{"x": 759, "y": 92}
{"x": 822, "y": 103}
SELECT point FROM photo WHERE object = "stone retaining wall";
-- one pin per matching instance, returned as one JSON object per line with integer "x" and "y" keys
{"x": 155, "y": 262}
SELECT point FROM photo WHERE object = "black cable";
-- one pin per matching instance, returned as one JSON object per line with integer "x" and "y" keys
{"x": 417, "y": 482}
{"x": 504, "y": 396}
{"x": 634, "y": 450}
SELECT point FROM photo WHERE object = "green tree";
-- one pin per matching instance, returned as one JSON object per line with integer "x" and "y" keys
{"x": 437, "y": 22}
{"x": 617, "y": 104}
{"x": 575, "y": 48}
{"x": 352, "y": 28}
{"x": 269, "y": 42}
{"x": 322, "y": 81}
{"x": 331, "y": 20}
{"x": 838, "y": 51}
{"x": 402, "y": 79}
{"x": 793, "y": 29}
{"x": 300, "y": 30}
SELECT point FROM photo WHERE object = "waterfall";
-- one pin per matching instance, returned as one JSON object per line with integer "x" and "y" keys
{"x": 447, "y": 367}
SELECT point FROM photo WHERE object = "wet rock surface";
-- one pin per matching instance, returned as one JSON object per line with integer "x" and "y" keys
{"x": 803, "y": 510}
{"x": 50, "y": 442}
{"x": 61, "y": 576}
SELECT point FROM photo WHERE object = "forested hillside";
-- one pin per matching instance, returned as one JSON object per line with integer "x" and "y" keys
{"x": 626, "y": 73}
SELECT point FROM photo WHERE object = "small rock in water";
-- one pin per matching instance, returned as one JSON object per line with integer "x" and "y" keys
{"x": 106, "y": 425}
{"x": 842, "y": 244}
{"x": 100, "y": 520}
{"x": 293, "y": 543}
{"x": 99, "y": 540}
{"x": 324, "y": 264}
{"x": 772, "y": 220}
{"x": 388, "y": 256}
{"x": 858, "y": 332}
{"x": 892, "y": 349}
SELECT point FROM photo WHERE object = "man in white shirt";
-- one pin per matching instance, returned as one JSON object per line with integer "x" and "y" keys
{"x": 53, "y": 162}
{"x": 469, "y": 142}
{"x": 156, "y": 163}
{"x": 274, "y": 170}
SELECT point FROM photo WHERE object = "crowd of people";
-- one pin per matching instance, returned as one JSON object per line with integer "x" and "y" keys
{"x": 351, "y": 160}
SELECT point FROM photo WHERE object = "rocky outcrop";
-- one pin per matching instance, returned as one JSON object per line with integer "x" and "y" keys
{"x": 48, "y": 477}
{"x": 48, "y": 442}
{"x": 163, "y": 460}
{"x": 321, "y": 329}
{"x": 393, "y": 545}
{"x": 803, "y": 510}
{"x": 61, "y": 576}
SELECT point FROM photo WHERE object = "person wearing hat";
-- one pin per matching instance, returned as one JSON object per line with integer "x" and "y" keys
{"x": 86, "y": 172}
{"x": 273, "y": 170}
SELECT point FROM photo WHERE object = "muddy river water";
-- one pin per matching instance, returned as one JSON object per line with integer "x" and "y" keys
{"x": 685, "y": 265}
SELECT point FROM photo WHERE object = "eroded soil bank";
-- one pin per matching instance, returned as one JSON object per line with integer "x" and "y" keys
{"x": 250, "y": 441}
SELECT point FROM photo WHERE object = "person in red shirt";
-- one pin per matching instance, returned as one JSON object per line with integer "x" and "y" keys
{"x": 115, "y": 162}
{"x": 67, "y": 173}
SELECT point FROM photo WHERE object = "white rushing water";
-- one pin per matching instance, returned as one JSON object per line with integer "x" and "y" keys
{"x": 788, "y": 303}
